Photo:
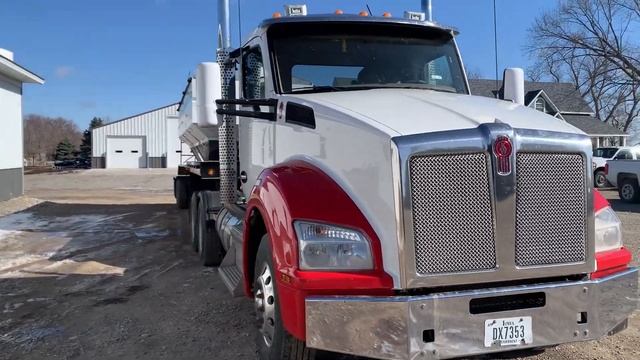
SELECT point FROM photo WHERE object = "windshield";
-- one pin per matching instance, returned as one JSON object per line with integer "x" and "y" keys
{"x": 606, "y": 153}
{"x": 340, "y": 57}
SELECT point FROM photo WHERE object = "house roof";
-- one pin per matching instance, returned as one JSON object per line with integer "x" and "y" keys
{"x": 593, "y": 126}
{"x": 13, "y": 70}
{"x": 564, "y": 95}
{"x": 573, "y": 108}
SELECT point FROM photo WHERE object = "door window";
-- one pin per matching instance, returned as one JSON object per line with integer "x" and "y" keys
{"x": 624, "y": 155}
{"x": 253, "y": 74}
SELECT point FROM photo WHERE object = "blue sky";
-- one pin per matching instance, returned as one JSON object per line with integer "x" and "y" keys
{"x": 115, "y": 58}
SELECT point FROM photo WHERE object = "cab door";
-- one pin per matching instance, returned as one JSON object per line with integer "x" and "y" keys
{"x": 256, "y": 136}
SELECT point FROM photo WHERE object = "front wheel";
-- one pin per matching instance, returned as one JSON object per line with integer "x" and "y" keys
{"x": 629, "y": 191}
{"x": 272, "y": 340}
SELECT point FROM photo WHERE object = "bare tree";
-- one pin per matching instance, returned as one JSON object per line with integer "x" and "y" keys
{"x": 473, "y": 74}
{"x": 591, "y": 43}
{"x": 42, "y": 134}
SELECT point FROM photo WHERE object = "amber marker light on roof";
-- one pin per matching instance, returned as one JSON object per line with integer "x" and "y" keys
{"x": 386, "y": 14}
{"x": 363, "y": 13}
{"x": 339, "y": 12}
{"x": 276, "y": 15}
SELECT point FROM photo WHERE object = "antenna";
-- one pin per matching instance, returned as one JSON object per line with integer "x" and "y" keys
{"x": 370, "y": 12}
{"x": 495, "y": 46}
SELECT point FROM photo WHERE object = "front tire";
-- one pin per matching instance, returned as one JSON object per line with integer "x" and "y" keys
{"x": 272, "y": 340}
{"x": 629, "y": 191}
{"x": 600, "y": 179}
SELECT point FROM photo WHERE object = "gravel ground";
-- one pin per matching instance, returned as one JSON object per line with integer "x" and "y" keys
{"x": 95, "y": 266}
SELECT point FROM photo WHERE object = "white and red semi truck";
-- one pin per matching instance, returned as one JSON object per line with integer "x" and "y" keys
{"x": 348, "y": 182}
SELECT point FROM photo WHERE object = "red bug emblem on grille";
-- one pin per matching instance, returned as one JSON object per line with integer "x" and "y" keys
{"x": 502, "y": 149}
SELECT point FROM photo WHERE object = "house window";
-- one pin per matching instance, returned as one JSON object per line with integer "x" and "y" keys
{"x": 541, "y": 105}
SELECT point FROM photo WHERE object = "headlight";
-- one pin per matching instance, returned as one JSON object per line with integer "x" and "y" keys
{"x": 608, "y": 230}
{"x": 327, "y": 247}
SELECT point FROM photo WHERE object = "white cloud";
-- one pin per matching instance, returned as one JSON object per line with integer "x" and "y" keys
{"x": 64, "y": 71}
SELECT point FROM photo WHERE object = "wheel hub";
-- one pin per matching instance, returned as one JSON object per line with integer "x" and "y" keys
{"x": 264, "y": 303}
{"x": 627, "y": 191}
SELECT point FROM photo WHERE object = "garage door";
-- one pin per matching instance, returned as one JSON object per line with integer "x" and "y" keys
{"x": 126, "y": 153}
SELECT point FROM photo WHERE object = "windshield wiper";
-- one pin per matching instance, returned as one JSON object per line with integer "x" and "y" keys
{"x": 418, "y": 86}
{"x": 329, "y": 88}
{"x": 316, "y": 88}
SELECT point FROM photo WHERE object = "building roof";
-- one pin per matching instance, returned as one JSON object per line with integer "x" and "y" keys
{"x": 14, "y": 71}
{"x": 593, "y": 126}
{"x": 564, "y": 95}
{"x": 172, "y": 111}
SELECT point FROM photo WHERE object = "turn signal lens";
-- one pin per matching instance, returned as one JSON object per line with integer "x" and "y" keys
{"x": 339, "y": 12}
{"x": 363, "y": 13}
{"x": 386, "y": 14}
{"x": 276, "y": 15}
{"x": 608, "y": 230}
{"x": 328, "y": 247}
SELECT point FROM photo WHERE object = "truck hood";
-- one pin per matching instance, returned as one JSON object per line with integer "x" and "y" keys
{"x": 415, "y": 111}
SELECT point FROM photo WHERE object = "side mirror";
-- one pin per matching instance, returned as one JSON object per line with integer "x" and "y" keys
{"x": 208, "y": 90}
{"x": 513, "y": 84}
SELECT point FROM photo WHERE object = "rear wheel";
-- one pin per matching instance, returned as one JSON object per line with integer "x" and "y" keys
{"x": 272, "y": 340}
{"x": 209, "y": 244}
{"x": 629, "y": 191}
{"x": 181, "y": 191}
{"x": 194, "y": 230}
{"x": 600, "y": 179}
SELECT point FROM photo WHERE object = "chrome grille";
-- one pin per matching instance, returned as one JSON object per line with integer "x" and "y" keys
{"x": 452, "y": 213}
{"x": 551, "y": 209}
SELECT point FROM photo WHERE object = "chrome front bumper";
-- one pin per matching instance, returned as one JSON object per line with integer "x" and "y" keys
{"x": 392, "y": 327}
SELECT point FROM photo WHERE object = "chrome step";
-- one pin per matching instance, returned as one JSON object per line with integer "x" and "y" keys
{"x": 232, "y": 278}
{"x": 229, "y": 227}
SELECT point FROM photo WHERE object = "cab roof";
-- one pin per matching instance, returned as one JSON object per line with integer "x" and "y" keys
{"x": 347, "y": 18}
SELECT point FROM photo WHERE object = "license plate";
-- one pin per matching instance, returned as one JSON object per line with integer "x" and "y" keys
{"x": 508, "y": 331}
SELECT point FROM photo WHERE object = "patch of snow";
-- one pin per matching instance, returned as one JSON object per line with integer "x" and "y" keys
{"x": 7, "y": 233}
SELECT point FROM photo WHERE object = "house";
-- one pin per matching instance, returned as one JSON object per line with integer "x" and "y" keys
{"x": 563, "y": 101}
{"x": 146, "y": 140}
{"x": 12, "y": 76}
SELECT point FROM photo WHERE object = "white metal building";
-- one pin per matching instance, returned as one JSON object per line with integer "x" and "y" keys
{"x": 12, "y": 76}
{"x": 147, "y": 140}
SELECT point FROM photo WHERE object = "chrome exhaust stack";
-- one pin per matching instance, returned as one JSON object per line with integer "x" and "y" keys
{"x": 427, "y": 9}
{"x": 227, "y": 130}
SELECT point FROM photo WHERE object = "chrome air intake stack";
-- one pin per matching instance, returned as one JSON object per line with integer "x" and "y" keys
{"x": 427, "y": 9}
{"x": 227, "y": 130}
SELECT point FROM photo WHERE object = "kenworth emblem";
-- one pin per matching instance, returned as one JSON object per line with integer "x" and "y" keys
{"x": 502, "y": 149}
